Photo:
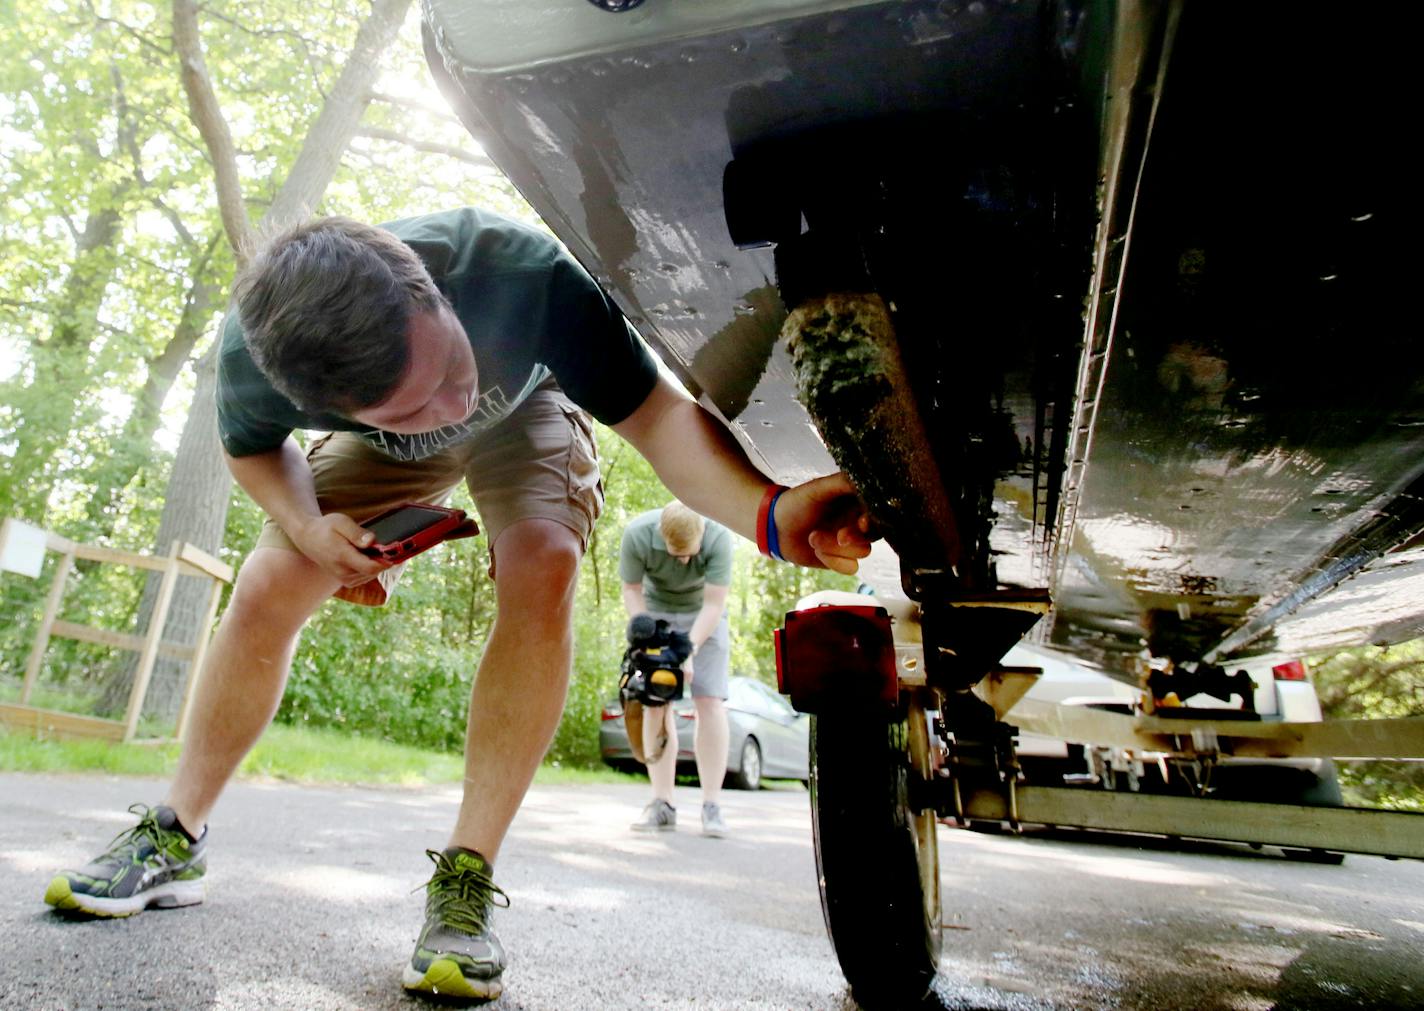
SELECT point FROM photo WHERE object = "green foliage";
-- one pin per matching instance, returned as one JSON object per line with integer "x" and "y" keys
{"x": 21, "y": 752}
{"x": 1376, "y": 682}
{"x": 116, "y": 269}
{"x": 115, "y": 263}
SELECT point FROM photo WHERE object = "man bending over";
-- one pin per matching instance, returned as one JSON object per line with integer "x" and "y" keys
{"x": 454, "y": 346}
{"x": 677, "y": 567}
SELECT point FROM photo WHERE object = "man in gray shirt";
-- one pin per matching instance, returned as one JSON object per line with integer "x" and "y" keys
{"x": 677, "y": 566}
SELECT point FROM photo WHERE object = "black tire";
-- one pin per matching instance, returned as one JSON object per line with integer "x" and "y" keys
{"x": 1279, "y": 784}
{"x": 1329, "y": 858}
{"x": 1267, "y": 783}
{"x": 747, "y": 774}
{"x": 876, "y": 860}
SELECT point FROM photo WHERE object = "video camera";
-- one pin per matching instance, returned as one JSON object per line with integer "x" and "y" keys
{"x": 652, "y": 665}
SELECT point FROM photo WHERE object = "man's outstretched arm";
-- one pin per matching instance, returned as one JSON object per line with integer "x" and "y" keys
{"x": 820, "y": 523}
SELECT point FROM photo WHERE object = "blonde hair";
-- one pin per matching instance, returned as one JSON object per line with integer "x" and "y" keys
{"x": 681, "y": 528}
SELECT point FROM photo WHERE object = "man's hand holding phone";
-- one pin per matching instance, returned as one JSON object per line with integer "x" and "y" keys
{"x": 355, "y": 553}
{"x": 337, "y": 543}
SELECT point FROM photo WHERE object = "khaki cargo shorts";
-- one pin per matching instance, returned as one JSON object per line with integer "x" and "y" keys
{"x": 539, "y": 463}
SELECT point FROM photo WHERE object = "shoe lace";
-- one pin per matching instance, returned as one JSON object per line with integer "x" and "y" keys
{"x": 131, "y": 839}
{"x": 462, "y": 896}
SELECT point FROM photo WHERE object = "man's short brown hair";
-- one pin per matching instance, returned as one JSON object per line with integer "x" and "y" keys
{"x": 681, "y": 528}
{"x": 324, "y": 308}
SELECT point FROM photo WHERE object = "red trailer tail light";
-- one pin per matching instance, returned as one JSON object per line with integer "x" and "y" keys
{"x": 1293, "y": 670}
{"x": 840, "y": 655}
{"x": 611, "y": 712}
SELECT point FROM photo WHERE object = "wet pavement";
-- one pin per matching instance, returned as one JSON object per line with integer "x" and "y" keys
{"x": 313, "y": 902}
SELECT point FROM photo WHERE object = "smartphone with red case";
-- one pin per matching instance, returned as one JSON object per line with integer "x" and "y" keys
{"x": 410, "y": 528}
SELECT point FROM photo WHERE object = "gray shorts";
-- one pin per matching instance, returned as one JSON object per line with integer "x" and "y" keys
{"x": 709, "y": 666}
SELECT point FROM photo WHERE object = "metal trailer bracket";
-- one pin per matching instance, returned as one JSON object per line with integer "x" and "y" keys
{"x": 1343, "y": 829}
{"x": 1401, "y": 738}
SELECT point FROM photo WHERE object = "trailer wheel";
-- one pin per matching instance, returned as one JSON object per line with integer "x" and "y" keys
{"x": 877, "y": 860}
{"x": 1277, "y": 784}
{"x": 1329, "y": 858}
{"x": 1267, "y": 783}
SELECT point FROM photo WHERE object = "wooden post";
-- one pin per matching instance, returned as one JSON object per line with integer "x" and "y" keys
{"x": 195, "y": 665}
{"x": 149, "y": 654}
{"x": 51, "y": 612}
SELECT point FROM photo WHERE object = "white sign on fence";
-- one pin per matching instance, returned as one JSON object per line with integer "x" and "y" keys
{"x": 22, "y": 548}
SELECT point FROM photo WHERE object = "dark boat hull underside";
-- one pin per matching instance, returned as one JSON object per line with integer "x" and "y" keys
{"x": 1228, "y": 458}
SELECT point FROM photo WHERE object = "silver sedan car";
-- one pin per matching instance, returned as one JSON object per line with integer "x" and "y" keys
{"x": 765, "y": 736}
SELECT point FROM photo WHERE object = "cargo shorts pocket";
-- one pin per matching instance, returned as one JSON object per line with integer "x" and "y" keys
{"x": 585, "y": 487}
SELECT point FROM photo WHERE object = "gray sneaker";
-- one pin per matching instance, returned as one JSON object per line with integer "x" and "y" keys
{"x": 712, "y": 823}
{"x": 659, "y": 816}
{"x": 153, "y": 864}
{"x": 458, "y": 955}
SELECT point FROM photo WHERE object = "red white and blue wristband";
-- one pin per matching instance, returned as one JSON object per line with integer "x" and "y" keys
{"x": 768, "y": 541}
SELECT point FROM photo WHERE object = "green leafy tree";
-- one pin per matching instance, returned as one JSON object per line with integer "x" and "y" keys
{"x": 1376, "y": 682}
{"x": 132, "y": 182}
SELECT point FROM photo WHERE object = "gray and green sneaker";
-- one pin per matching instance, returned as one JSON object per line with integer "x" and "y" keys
{"x": 458, "y": 954}
{"x": 155, "y": 863}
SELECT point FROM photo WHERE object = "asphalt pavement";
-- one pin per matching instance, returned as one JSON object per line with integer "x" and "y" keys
{"x": 314, "y": 902}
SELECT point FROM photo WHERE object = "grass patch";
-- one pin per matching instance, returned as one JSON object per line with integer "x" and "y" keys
{"x": 66, "y": 701}
{"x": 292, "y": 754}
{"x": 307, "y": 755}
{"x": 295, "y": 755}
{"x": 23, "y": 752}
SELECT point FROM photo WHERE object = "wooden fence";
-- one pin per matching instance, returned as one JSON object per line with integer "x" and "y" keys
{"x": 182, "y": 560}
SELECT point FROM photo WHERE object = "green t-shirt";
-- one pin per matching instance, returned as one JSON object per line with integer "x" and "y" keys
{"x": 528, "y": 308}
{"x": 668, "y": 585}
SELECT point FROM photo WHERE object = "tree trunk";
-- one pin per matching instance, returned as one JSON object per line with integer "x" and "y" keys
{"x": 330, "y": 135}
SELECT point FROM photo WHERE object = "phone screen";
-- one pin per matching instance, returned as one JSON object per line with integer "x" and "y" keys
{"x": 402, "y": 523}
